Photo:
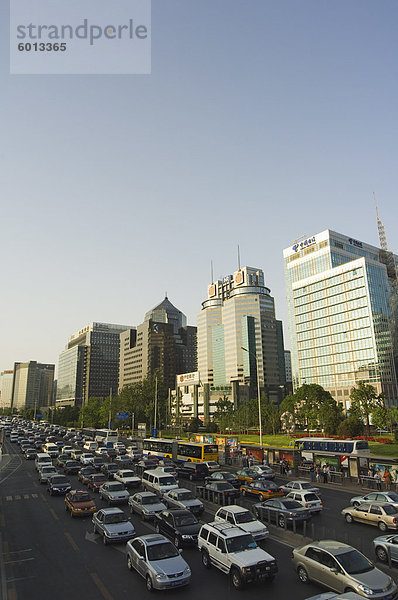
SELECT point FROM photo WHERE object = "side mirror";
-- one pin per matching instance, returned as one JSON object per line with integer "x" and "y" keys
{"x": 180, "y": 550}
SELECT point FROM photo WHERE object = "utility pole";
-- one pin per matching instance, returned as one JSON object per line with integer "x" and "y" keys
{"x": 110, "y": 409}
{"x": 156, "y": 402}
{"x": 132, "y": 424}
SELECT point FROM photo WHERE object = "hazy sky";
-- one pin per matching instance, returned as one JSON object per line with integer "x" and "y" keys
{"x": 262, "y": 121}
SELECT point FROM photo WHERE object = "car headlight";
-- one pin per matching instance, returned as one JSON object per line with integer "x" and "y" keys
{"x": 187, "y": 571}
{"x": 366, "y": 590}
{"x": 186, "y": 537}
{"x": 161, "y": 576}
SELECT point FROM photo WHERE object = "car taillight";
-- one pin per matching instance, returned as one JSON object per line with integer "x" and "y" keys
{"x": 394, "y": 520}
{"x": 320, "y": 502}
{"x": 306, "y": 506}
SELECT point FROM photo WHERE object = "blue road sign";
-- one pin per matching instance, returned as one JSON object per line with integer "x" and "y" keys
{"x": 122, "y": 415}
{"x": 154, "y": 433}
{"x": 39, "y": 416}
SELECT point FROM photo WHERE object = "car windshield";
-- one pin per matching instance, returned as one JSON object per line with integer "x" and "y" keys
{"x": 162, "y": 551}
{"x": 59, "y": 479}
{"x": 82, "y": 498}
{"x": 150, "y": 500}
{"x": 116, "y": 487}
{"x": 310, "y": 497}
{"x": 244, "y": 517}
{"x": 393, "y": 497}
{"x": 307, "y": 486}
{"x": 389, "y": 510}
{"x": 181, "y": 520}
{"x": 289, "y": 504}
{"x": 116, "y": 518}
{"x": 225, "y": 476}
{"x": 353, "y": 562}
{"x": 99, "y": 478}
{"x": 186, "y": 496}
{"x": 166, "y": 481}
{"x": 241, "y": 543}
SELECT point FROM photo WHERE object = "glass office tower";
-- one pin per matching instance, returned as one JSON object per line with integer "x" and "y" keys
{"x": 340, "y": 299}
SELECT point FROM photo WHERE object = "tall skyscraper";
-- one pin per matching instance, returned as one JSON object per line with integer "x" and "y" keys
{"x": 89, "y": 365}
{"x": 32, "y": 385}
{"x": 239, "y": 313}
{"x": 163, "y": 342}
{"x": 6, "y": 380}
{"x": 339, "y": 300}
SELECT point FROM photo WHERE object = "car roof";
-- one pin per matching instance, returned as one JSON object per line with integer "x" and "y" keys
{"x": 179, "y": 512}
{"x": 152, "y": 538}
{"x": 148, "y": 494}
{"x": 234, "y": 508}
{"x": 332, "y": 546}
{"x": 112, "y": 510}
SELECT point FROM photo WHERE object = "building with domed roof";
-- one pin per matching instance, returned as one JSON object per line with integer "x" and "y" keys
{"x": 163, "y": 342}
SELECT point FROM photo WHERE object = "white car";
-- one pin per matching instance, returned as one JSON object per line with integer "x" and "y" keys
{"x": 299, "y": 486}
{"x": 243, "y": 518}
{"x": 212, "y": 465}
{"x": 127, "y": 477}
{"x": 308, "y": 500}
{"x": 86, "y": 457}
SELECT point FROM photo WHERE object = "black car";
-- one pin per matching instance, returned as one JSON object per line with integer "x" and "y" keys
{"x": 111, "y": 454}
{"x": 281, "y": 511}
{"x": 71, "y": 467}
{"x": 58, "y": 485}
{"x": 98, "y": 462}
{"x": 181, "y": 526}
{"x": 224, "y": 476}
{"x": 145, "y": 465}
{"x": 191, "y": 471}
{"x": 220, "y": 488}
{"x": 123, "y": 460}
{"x": 30, "y": 453}
{"x": 109, "y": 469}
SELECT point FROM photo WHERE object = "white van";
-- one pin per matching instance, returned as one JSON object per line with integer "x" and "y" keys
{"x": 42, "y": 459}
{"x": 51, "y": 449}
{"x": 159, "y": 482}
{"x": 92, "y": 446}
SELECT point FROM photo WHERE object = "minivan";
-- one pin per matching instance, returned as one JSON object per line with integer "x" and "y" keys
{"x": 51, "y": 449}
{"x": 42, "y": 459}
{"x": 158, "y": 481}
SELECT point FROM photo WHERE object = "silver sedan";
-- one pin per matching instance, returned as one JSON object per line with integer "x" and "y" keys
{"x": 158, "y": 561}
{"x": 114, "y": 492}
{"x": 146, "y": 505}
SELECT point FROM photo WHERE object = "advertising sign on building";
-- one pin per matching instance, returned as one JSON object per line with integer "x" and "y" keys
{"x": 188, "y": 379}
{"x": 141, "y": 429}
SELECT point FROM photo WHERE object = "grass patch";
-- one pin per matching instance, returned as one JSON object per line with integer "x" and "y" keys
{"x": 383, "y": 449}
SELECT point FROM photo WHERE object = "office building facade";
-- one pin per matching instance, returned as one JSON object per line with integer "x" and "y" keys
{"x": 89, "y": 365}
{"x": 239, "y": 312}
{"x": 339, "y": 295}
{"x": 6, "y": 381}
{"x": 162, "y": 343}
{"x": 32, "y": 385}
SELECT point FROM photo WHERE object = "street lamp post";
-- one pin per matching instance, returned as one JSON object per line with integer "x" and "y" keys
{"x": 258, "y": 396}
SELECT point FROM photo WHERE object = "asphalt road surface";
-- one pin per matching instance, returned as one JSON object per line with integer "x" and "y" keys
{"x": 45, "y": 554}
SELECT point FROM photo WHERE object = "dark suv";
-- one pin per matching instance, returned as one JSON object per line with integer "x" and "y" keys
{"x": 191, "y": 471}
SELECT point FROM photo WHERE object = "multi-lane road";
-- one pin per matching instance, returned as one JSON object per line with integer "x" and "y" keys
{"x": 45, "y": 554}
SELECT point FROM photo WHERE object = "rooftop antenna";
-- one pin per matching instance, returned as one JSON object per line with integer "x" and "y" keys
{"x": 238, "y": 258}
{"x": 212, "y": 271}
{"x": 380, "y": 228}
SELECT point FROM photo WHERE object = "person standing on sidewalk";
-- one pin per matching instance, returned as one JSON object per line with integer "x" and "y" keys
{"x": 387, "y": 479}
{"x": 325, "y": 473}
{"x": 312, "y": 472}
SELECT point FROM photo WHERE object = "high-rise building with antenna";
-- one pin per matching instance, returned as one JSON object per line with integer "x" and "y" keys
{"x": 339, "y": 293}
{"x": 239, "y": 312}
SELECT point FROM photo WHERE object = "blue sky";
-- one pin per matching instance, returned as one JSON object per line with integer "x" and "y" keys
{"x": 261, "y": 122}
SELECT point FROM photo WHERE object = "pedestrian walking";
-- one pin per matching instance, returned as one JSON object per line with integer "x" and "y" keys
{"x": 377, "y": 478}
{"x": 312, "y": 472}
{"x": 387, "y": 479}
{"x": 325, "y": 473}
{"x": 318, "y": 472}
